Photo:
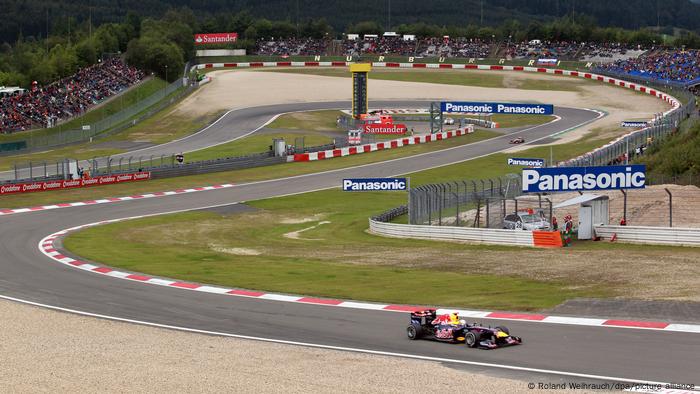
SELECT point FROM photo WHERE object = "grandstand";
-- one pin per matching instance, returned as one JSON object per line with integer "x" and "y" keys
{"x": 671, "y": 66}
{"x": 46, "y": 106}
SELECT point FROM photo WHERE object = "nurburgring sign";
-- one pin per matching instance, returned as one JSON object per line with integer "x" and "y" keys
{"x": 569, "y": 179}
{"x": 496, "y": 108}
{"x": 375, "y": 184}
{"x": 516, "y": 161}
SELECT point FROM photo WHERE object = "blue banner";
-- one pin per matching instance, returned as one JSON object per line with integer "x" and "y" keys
{"x": 569, "y": 179}
{"x": 516, "y": 161}
{"x": 496, "y": 108}
{"x": 375, "y": 184}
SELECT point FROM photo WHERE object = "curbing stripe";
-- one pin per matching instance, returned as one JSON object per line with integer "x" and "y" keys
{"x": 109, "y": 200}
{"x": 47, "y": 247}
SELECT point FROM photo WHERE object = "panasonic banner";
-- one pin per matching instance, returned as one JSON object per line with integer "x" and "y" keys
{"x": 571, "y": 179}
{"x": 516, "y": 161}
{"x": 375, "y": 184}
{"x": 496, "y": 108}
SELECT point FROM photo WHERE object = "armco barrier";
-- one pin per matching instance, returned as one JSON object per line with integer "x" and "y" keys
{"x": 446, "y": 233}
{"x": 397, "y": 143}
{"x": 651, "y": 235}
{"x": 17, "y": 188}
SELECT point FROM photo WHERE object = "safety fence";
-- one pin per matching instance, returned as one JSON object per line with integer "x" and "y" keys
{"x": 625, "y": 148}
{"x": 484, "y": 122}
{"x": 451, "y": 233}
{"x": 109, "y": 125}
{"x": 650, "y": 235}
{"x": 459, "y": 203}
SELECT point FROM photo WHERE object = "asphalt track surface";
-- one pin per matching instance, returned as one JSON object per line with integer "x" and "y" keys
{"x": 27, "y": 274}
{"x": 232, "y": 125}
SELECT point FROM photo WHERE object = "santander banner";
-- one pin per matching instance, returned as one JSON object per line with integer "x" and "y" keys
{"x": 215, "y": 38}
{"x": 384, "y": 128}
{"x": 73, "y": 183}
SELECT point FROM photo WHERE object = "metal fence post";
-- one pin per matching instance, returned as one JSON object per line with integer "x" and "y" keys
{"x": 670, "y": 207}
{"x": 624, "y": 205}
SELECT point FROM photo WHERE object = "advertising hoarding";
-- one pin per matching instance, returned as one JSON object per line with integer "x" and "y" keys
{"x": 375, "y": 184}
{"x": 570, "y": 179}
{"x": 496, "y": 108}
{"x": 215, "y": 38}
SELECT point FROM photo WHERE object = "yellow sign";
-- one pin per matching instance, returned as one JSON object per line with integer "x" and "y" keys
{"x": 361, "y": 67}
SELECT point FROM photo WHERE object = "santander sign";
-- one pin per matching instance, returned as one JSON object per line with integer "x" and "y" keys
{"x": 215, "y": 38}
{"x": 384, "y": 128}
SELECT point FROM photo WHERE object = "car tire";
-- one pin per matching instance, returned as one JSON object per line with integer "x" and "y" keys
{"x": 414, "y": 331}
{"x": 503, "y": 328}
{"x": 472, "y": 339}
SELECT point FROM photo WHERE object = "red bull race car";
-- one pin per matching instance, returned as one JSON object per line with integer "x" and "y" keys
{"x": 450, "y": 328}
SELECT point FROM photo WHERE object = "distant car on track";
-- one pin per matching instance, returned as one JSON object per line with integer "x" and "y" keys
{"x": 449, "y": 121}
{"x": 517, "y": 140}
{"x": 449, "y": 328}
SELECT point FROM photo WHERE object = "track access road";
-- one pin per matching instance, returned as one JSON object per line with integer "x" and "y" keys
{"x": 27, "y": 274}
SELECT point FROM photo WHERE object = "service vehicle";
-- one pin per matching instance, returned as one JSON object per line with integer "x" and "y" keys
{"x": 426, "y": 324}
{"x": 526, "y": 220}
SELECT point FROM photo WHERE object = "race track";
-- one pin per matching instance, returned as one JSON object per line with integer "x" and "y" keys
{"x": 25, "y": 273}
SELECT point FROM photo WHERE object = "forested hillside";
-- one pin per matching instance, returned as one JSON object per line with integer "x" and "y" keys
{"x": 31, "y": 17}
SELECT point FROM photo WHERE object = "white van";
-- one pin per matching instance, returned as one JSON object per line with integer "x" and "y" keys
{"x": 535, "y": 42}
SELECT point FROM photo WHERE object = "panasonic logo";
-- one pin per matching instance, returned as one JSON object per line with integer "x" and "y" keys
{"x": 484, "y": 108}
{"x": 496, "y": 108}
{"x": 514, "y": 109}
{"x": 583, "y": 178}
{"x": 512, "y": 161}
{"x": 375, "y": 184}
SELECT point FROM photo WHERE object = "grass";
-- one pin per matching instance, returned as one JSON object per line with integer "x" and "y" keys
{"x": 676, "y": 156}
{"x": 238, "y": 176}
{"x": 287, "y": 265}
{"x": 308, "y": 121}
{"x": 112, "y": 106}
{"x": 339, "y": 259}
{"x": 442, "y": 77}
{"x": 165, "y": 126}
{"x": 447, "y": 77}
{"x": 256, "y": 143}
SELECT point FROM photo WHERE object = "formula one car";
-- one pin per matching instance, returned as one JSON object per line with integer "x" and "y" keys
{"x": 449, "y": 328}
{"x": 517, "y": 140}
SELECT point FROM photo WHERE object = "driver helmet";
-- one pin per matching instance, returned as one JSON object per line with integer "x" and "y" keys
{"x": 454, "y": 318}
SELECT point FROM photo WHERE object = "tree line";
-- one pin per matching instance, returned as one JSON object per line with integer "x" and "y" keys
{"x": 163, "y": 45}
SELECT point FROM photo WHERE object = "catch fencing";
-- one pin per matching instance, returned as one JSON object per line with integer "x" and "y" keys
{"x": 459, "y": 203}
{"x": 109, "y": 125}
{"x": 627, "y": 147}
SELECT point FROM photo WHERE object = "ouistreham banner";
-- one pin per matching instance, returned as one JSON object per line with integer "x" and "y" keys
{"x": 14, "y": 188}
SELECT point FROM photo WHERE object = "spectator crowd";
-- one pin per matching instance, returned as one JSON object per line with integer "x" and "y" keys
{"x": 44, "y": 106}
{"x": 666, "y": 65}
{"x": 291, "y": 47}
